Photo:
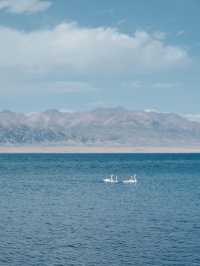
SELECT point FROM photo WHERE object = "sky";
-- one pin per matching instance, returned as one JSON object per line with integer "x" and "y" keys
{"x": 85, "y": 54}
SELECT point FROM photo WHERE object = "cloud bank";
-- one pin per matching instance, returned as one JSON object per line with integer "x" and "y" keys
{"x": 83, "y": 56}
{"x": 78, "y": 49}
{"x": 24, "y": 6}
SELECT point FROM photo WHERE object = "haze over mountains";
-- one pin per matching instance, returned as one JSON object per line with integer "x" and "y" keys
{"x": 100, "y": 127}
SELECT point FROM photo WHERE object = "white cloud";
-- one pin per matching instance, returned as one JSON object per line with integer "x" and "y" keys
{"x": 70, "y": 57}
{"x": 74, "y": 49}
{"x": 24, "y": 6}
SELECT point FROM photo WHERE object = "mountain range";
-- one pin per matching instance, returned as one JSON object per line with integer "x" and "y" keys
{"x": 99, "y": 127}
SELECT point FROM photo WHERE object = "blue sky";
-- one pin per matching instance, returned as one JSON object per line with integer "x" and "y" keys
{"x": 83, "y": 54}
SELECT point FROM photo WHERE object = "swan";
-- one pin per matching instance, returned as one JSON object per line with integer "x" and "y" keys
{"x": 111, "y": 179}
{"x": 130, "y": 180}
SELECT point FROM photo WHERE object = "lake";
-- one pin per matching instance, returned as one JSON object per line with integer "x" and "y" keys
{"x": 55, "y": 209}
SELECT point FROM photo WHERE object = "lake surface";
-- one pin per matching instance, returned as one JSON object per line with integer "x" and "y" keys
{"x": 55, "y": 210}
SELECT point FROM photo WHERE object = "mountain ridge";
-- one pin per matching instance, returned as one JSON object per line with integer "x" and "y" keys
{"x": 101, "y": 126}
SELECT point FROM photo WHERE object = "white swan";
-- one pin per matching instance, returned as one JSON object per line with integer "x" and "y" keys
{"x": 111, "y": 179}
{"x": 130, "y": 180}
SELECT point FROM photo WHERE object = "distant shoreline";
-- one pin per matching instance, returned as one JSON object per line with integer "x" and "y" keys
{"x": 86, "y": 149}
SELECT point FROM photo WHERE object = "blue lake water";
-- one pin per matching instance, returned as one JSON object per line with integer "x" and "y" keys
{"x": 55, "y": 210}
